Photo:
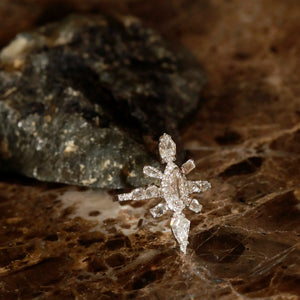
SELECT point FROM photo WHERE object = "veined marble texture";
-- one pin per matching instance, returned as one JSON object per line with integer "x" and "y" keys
{"x": 63, "y": 242}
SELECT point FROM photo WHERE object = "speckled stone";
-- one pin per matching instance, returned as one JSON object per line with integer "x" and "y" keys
{"x": 80, "y": 100}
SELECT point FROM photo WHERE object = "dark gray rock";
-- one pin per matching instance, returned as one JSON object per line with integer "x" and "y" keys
{"x": 80, "y": 99}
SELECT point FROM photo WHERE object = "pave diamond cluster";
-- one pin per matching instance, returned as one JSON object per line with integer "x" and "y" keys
{"x": 175, "y": 189}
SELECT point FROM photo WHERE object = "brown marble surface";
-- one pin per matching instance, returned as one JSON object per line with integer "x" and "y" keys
{"x": 60, "y": 242}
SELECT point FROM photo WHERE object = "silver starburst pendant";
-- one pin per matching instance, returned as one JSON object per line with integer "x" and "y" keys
{"x": 174, "y": 188}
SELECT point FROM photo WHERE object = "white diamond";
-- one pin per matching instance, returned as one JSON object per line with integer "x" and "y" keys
{"x": 180, "y": 227}
{"x": 195, "y": 206}
{"x": 152, "y": 172}
{"x": 138, "y": 193}
{"x": 174, "y": 188}
{"x": 188, "y": 166}
{"x": 125, "y": 197}
{"x": 153, "y": 192}
{"x": 158, "y": 210}
{"x": 167, "y": 148}
{"x": 198, "y": 186}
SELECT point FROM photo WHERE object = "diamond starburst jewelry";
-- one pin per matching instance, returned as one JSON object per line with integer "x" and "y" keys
{"x": 175, "y": 189}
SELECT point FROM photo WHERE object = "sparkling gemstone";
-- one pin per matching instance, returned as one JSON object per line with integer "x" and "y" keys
{"x": 188, "y": 166}
{"x": 152, "y": 192}
{"x": 174, "y": 190}
{"x": 138, "y": 193}
{"x": 195, "y": 206}
{"x": 152, "y": 172}
{"x": 167, "y": 148}
{"x": 125, "y": 197}
{"x": 198, "y": 186}
{"x": 180, "y": 227}
{"x": 158, "y": 210}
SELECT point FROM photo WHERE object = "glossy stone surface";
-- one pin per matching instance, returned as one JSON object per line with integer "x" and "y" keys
{"x": 245, "y": 140}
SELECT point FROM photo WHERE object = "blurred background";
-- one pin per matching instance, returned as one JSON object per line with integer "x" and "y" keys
{"x": 249, "y": 49}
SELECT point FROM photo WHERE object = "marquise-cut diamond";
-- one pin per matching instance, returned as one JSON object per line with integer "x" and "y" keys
{"x": 167, "y": 148}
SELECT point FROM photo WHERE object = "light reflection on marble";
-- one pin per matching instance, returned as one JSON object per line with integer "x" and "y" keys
{"x": 99, "y": 206}
{"x": 67, "y": 233}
